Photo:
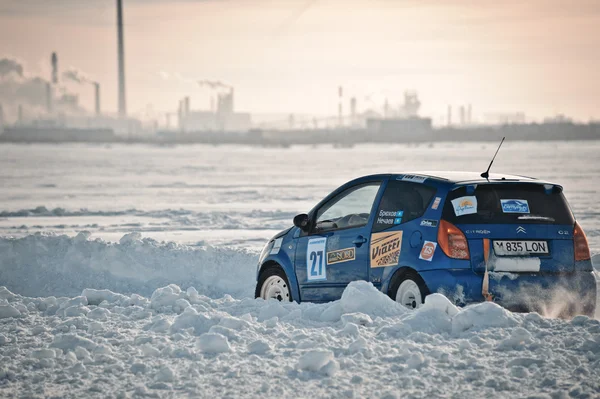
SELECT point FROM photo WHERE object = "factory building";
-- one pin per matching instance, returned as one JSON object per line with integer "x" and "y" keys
{"x": 224, "y": 119}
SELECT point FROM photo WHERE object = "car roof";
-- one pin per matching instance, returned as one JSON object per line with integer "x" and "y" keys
{"x": 459, "y": 177}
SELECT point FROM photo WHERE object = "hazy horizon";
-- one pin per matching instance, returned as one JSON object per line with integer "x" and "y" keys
{"x": 291, "y": 56}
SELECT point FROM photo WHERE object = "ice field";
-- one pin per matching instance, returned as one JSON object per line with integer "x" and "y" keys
{"x": 129, "y": 272}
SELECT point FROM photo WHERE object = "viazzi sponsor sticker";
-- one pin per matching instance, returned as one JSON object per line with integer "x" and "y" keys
{"x": 436, "y": 203}
{"x": 465, "y": 205}
{"x": 341, "y": 255}
{"x": 514, "y": 206}
{"x": 385, "y": 249}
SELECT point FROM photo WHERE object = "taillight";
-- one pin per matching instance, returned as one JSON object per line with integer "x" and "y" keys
{"x": 580, "y": 243}
{"x": 452, "y": 241}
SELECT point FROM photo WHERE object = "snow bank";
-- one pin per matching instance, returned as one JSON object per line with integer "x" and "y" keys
{"x": 62, "y": 265}
{"x": 180, "y": 343}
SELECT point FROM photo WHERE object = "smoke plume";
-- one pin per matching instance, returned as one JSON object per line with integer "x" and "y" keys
{"x": 213, "y": 84}
{"x": 76, "y": 76}
{"x": 17, "y": 88}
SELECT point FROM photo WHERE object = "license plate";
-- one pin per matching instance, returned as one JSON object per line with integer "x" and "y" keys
{"x": 521, "y": 248}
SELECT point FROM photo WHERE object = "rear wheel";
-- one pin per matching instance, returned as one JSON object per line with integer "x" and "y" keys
{"x": 409, "y": 289}
{"x": 273, "y": 284}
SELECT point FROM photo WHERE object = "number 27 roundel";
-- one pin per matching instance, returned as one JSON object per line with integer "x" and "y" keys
{"x": 315, "y": 259}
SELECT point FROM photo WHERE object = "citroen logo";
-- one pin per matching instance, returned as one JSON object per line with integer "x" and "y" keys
{"x": 521, "y": 229}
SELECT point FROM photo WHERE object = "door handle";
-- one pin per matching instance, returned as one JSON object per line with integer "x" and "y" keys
{"x": 358, "y": 241}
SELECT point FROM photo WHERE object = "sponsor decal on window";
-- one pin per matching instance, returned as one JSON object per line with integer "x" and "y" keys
{"x": 413, "y": 178}
{"x": 465, "y": 205}
{"x": 276, "y": 246}
{"x": 341, "y": 255}
{"x": 385, "y": 249}
{"x": 429, "y": 223}
{"x": 315, "y": 259}
{"x": 428, "y": 250}
{"x": 389, "y": 217}
{"x": 514, "y": 206}
{"x": 436, "y": 203}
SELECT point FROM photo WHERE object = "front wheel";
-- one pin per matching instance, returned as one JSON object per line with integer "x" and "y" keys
{"x": 273, "y": 284}
{"x": 409, "y": 289}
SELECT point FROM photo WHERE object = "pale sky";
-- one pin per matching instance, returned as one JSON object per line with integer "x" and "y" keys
{"x": 541, "y": 56}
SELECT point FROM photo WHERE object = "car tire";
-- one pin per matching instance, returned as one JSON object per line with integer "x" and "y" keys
{"x": 409, "y": 289}
{"x": 273, "y": 284}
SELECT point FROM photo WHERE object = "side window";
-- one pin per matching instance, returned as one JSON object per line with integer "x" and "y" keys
{"x": 402, "y": 202}
{"x": 350, "y": 208}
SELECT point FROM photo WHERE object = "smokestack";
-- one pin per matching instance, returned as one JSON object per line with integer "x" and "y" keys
{"x": 20, "y": 115}
{"x": 121, "y": 55}
{"x": 469, "y": 109}
{"x": 340, "y": 95}
{"x": 48, "y": 98}
{"x": 180, "y": 115}
{"x": 1, "y": 119}
{"x": 353, "y": 110}
{"x": 462, "y": 115}
{"x": 186, "y": 106}
{"x": 54, "y": 60}
{"x": 449, "y": 115}
{"x": 97, "y": 97}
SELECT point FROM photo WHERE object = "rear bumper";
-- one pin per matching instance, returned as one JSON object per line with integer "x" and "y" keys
{"x": 544, "y": 293}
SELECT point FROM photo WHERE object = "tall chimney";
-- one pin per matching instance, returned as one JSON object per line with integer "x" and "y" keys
{"x": 469, "y": 110}
{"x": 97, "y": 97}
{"x": 186, "y": 106}
{"x": 48, "y": 98}
{"x": 449, "y": 115}
{"x": 20, "y": 115}
{"x": 54, "y": 60}
{"x": 1, "y": 119}
{"x": 340, "y": 115}
{"x": 121, "y": 55}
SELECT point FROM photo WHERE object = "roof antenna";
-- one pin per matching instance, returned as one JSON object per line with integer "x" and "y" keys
{"x": 486, "y": 174}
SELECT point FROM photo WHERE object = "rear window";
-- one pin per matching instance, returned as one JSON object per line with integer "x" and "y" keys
{"x": 508, "y": 204}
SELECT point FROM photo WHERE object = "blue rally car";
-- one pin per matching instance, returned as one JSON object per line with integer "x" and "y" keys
{"x": 509, "y": 239}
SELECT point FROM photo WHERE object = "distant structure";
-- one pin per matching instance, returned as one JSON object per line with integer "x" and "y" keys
{"x": 97, "y": 98}
{"x": 54, "y": 62}
{"x": 1, "y": 119}
{"x": 121, "y": 55}
{"x": 223, "y": 119}
{"x": 340, "y": 114}
{"x": 403, "y": 122}
{"x": 49, "y": 95}
{"x": 449, "y": 116}
{"x": 20, "y": 115}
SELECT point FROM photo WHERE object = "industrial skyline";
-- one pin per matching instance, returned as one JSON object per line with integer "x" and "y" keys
{"x": 449, "y": 57}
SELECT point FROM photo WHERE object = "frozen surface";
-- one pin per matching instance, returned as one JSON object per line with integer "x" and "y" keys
{"x": 239, "y": 196}
{"x": 129, "y": 272}
{"x": 182, "y": 343}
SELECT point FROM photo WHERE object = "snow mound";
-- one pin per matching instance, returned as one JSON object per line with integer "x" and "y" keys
{"x": 359, "y": 346}
{"x": 60, "y": 265}
{"x": 363, "y": 297}
{"x": 483, "y": 315}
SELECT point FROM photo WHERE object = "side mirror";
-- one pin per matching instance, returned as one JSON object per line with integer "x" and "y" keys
{"x": 301, "y": 221}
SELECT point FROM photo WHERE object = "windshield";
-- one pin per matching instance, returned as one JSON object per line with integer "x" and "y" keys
{"x": 508, "y": 204}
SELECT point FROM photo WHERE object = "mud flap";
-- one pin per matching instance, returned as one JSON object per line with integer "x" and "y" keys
{"x": 485, "y": 287}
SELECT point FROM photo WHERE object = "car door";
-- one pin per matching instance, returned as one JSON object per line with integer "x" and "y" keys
{"x": 336, "y": 249}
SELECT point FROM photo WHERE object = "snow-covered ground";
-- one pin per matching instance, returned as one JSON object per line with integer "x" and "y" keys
{"x": 102, "y": 344}
{"x": 129, "y": 271}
